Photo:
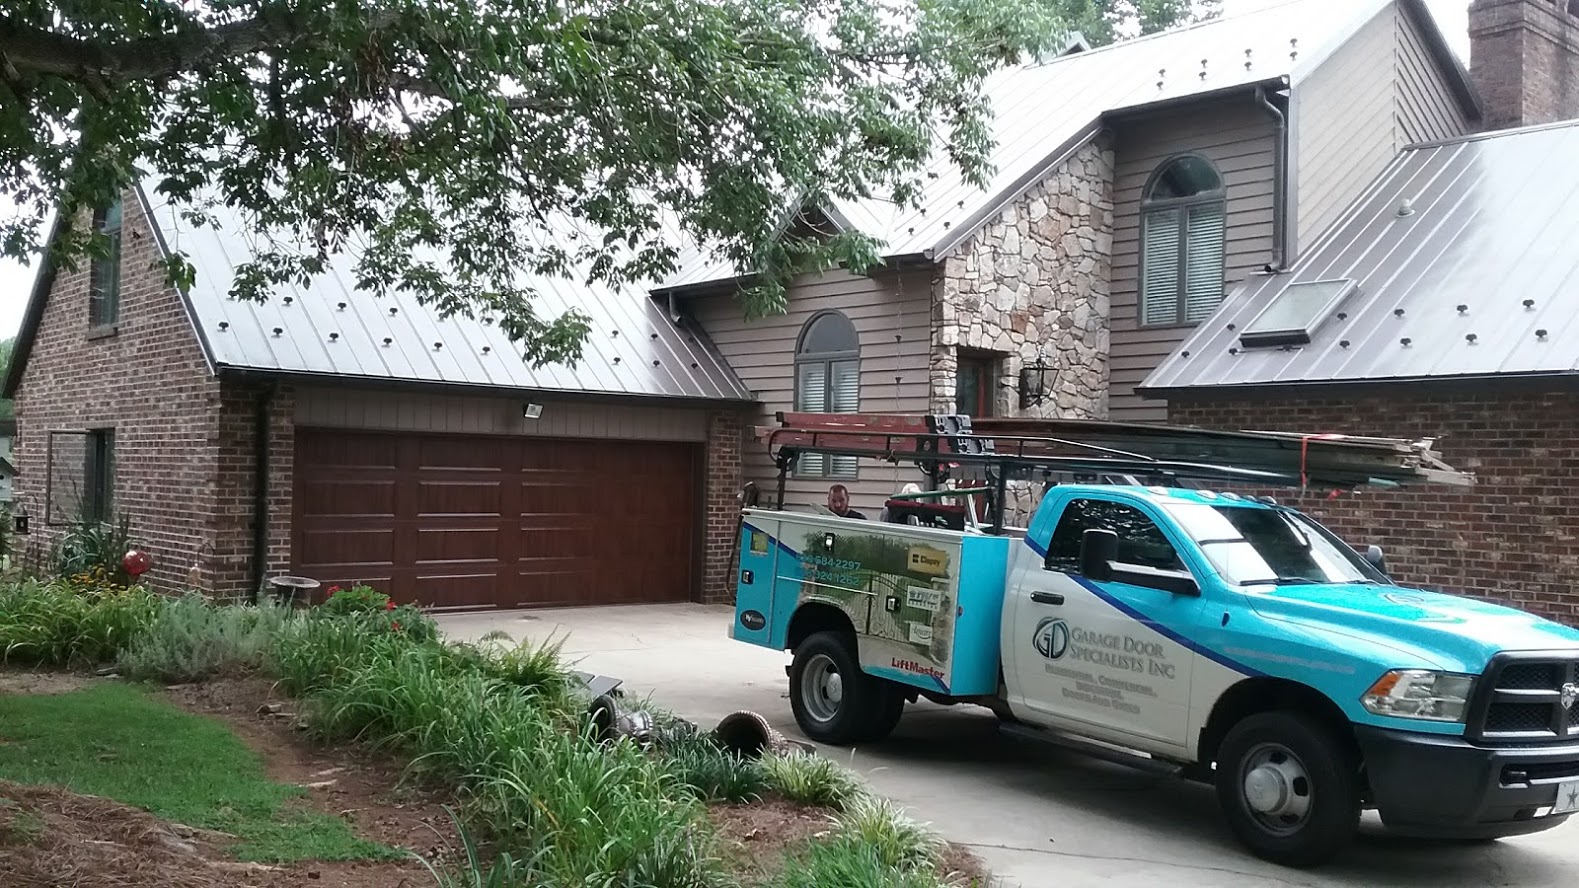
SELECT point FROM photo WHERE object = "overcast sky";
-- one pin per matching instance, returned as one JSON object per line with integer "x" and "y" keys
{"x": 16, "y": 279}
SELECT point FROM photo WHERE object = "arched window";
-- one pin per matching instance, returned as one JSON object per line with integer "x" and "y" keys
{"x": 1181, "y": 243}
{"x": 827, "y": 380}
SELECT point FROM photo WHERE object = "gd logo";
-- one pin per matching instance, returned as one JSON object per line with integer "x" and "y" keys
{"x": 1051, "y": 638}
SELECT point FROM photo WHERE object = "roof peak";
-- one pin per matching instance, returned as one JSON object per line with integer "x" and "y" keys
{"x": 1493, "y": 134}
{"x": 1168, "y": 32}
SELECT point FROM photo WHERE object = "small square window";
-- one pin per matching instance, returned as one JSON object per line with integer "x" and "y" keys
{"x": 80, "y": 476}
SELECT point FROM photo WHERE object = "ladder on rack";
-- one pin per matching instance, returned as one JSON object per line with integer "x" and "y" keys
{"x": 1001, "y": 450}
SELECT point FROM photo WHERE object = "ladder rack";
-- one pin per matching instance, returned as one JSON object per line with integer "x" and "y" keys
{"x": 1104, "y": 452}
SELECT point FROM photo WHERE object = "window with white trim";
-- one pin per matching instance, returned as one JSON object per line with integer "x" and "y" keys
{"x": 1182, "y": 243}
{"x": 827, "y": 380}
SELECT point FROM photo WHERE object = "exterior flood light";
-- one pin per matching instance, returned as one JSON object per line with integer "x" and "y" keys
{"x": 532, "y": 411}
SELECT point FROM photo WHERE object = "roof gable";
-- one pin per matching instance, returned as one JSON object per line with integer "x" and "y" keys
{"x": 1046, "y": 110}
{"x": 1462, "y": 255}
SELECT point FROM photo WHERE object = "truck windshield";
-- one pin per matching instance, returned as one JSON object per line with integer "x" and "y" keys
{"x": 1250, "y": 546}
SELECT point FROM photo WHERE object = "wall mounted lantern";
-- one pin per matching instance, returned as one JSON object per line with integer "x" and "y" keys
{"x": 1033, "y": 382}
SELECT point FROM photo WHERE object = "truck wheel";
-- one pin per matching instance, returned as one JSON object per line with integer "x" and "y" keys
{"x": 1289, "y": 789}
{"x": 832, "y": 698}
{"x": 888, "y": 705}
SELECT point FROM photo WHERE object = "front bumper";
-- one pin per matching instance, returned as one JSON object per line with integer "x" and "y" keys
{"x": 1434, "y": 786}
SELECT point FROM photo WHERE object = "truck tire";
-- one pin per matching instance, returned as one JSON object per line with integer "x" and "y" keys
{"x": 889, "y": 705}
{"x": 833, "y": 700}
{"x": 1289, "y": 788}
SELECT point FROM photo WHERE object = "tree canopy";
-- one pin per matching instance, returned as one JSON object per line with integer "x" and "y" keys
{"x": 437, "y": 139}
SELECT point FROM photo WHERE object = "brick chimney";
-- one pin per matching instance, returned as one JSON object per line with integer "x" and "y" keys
{"x": 1524, "y": 60}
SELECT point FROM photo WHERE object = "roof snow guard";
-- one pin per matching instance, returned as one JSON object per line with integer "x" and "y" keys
{"x": 1044, "y": 111}
{"x": 1457, "y": 263}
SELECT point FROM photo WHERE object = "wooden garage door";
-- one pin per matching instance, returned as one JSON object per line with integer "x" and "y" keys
{"x": 466, "y": 521}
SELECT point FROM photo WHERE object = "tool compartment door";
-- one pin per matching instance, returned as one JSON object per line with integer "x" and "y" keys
{"x": 755, "y": 581}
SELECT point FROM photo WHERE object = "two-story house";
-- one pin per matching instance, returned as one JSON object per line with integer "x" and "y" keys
{"x": 330, "y": 435}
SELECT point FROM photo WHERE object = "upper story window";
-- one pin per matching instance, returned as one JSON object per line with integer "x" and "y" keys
{"x": 1183, "y": 222}
{"x": 104, "y": 277}
{"x": 827, "y": 380}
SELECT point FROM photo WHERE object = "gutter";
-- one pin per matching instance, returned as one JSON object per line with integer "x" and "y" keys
{"x": 1279, "y": 185}
{"x": 260, "y": 489}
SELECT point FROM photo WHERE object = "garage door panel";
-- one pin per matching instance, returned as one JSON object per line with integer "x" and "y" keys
{"x": 440, "y": 498}
{"x": 457, "y": 544}
{"x": 471, "y": 521}
{"x": 336, "y": 451}
{"x": 330, "y": 498}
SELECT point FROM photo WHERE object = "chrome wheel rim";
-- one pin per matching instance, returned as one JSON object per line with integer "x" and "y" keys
{"x": 822, "y": 688}
{"x": 1276, "y": 789}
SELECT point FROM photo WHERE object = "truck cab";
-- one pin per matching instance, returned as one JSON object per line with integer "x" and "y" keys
{"x": 1235, "y": 639}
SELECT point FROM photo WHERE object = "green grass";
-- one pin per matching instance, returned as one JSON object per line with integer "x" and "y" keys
{"x": 120, "y": 742}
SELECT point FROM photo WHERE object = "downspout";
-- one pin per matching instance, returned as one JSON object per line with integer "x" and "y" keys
{"x": 1279, "y": 184}
{"x": 260, "y": 490}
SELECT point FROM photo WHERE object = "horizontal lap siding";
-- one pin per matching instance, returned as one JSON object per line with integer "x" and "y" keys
{"x": 1344, "y": 128}
{"x": 892, "y": 317}
{"x": 1378, "y": 94}
{"x": 1240, "y": 138}
{"x": 1428, "y": 110}
{"x": 350, "y": 408}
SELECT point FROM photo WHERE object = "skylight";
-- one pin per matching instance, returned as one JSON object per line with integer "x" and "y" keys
{"x": 1294, "y": 315}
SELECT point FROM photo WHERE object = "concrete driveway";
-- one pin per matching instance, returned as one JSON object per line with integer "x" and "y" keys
{"x": 1039, "y": 816}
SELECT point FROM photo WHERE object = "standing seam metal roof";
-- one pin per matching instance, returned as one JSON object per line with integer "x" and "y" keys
{"x": 1490, "y": 228}
{"x": 331, "y": 329}
{"x": 1043, "y": 111}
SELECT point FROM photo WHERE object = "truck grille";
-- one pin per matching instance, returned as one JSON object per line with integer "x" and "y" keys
{"x": 1520, "y": 699}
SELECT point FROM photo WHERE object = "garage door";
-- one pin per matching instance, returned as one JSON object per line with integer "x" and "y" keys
{"x": 467, "y": 521}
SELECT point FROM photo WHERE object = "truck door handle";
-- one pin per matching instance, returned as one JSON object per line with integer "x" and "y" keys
{"x": 1047, "y": 598}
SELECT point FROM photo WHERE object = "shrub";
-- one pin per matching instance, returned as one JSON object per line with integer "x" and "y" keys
{"x": 355, "y": 600}
{"x": 191, "y": 640}
{"x": 51, "y": 624}
{"x": 843, "y": 861}
{"x": 900, "y": 842}
{"x": 90, "y": 544}
{"x": 586, "y": 814}
{"x": 712, "y": 773}
{"x": 810, "y": 779}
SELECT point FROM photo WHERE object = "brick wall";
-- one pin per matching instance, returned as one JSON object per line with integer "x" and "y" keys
{"x": 1511, "y": 538}
{"x": 183, "y": 451}
{"x": 1524, "y": 60}
{"x": 148, "y": 383}
{"x": 235, "y": 503}
{"x": 726, "y": 433}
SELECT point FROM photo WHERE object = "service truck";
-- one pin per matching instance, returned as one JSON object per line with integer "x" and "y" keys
{"x": 1144, "y": 615}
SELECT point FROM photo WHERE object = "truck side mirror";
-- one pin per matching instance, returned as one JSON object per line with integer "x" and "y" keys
{"x": 1373, "y": 554}
{"x": 1098, "y": 550}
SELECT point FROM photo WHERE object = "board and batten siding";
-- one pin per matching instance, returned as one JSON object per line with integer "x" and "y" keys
{"x": 1240, "y": 137}
{"x": 892, "y": 315}
{"x": 349, "y": 408}
{"x": 1380, "y": 92}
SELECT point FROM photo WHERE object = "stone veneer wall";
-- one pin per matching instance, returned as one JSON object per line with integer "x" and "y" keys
{"x": 1035, "y": 280}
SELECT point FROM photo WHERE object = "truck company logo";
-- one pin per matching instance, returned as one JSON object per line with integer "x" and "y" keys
{"x": 1570, "y": 695}
{"x": 1051, "y": 638}
{"x": 927, "y": 560}
{"x": 917, "y": 668}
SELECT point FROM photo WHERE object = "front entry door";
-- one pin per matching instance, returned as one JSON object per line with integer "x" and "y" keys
{"x": 1107, "y": 654}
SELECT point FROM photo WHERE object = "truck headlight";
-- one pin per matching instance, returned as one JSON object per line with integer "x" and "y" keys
{"x": 1420, "y": 693}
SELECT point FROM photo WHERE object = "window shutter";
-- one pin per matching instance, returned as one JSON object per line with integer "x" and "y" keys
{"x": 846, "y": 399}
{"x": 1159, "y": 294}
{"x": 811, "y": 396}
{"x": 1203, "y": 277}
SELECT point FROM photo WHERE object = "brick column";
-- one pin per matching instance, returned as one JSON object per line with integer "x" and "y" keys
{"x": 720, "y": 504}
{"x": 228, "y": 571}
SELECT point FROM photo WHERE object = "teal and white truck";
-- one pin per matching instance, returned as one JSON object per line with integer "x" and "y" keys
{"x": 1144, "y": 617}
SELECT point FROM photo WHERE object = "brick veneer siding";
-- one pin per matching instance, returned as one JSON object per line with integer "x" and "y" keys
{"x": 183, "y": 442}
{"x": 1524, "y": 60}
{"x": 1511, "y": 538}
{"x": 726, "y": 431}
{"x": 233, "y": 542}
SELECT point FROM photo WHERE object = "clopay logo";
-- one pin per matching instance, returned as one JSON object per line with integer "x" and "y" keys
{"x": 1051, "y": 638}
